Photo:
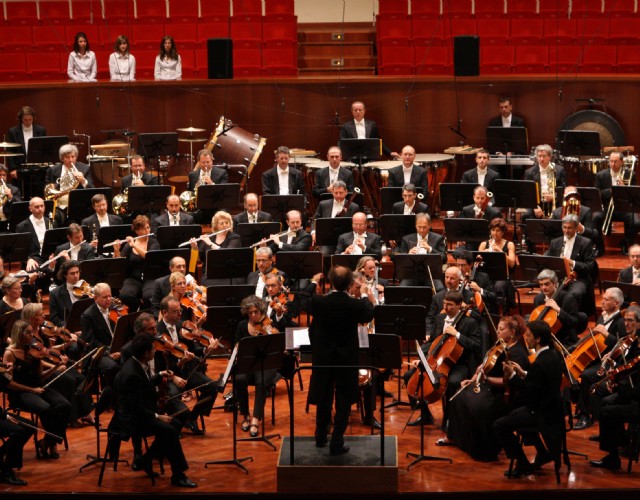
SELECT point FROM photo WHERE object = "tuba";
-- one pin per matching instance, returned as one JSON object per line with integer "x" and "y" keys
{"x": 66, "y": 184}
{"x": 571, "y": 204}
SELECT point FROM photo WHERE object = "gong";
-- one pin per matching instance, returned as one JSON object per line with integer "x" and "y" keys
{"x": 609, "y": 130}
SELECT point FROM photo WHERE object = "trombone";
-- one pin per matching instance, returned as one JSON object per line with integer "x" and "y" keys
{"x": 606, "y": 226}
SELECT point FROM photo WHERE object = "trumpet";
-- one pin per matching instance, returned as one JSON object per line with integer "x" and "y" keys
{"x": 200, "y": 238}
{"x": 117, "y": 242}
{"x": 53, "y": 259}
{"x": 270, "y": 238}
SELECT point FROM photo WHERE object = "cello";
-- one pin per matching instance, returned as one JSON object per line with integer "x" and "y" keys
{"x": 548, "y": 315}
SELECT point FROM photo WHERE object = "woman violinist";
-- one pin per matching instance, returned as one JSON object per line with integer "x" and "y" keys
{"x": 473, "y": 411}
{"x": 26, "y": 392}
{"x": 257, "y": 323}
{"x": 192, "y": 308}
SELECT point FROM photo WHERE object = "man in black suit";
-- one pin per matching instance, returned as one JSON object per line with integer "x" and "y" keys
{"x": 296, "y": 240}
{"x": 506, "y": 117}
{"x": 548, "y": 176}
{"x": 359, "y": 128}
{"x": 36, "y": 224}
{"x": 359, "y": 241}
{"x": 21, "y": 133}
{"x": 422, "y": 242}
{"x": 543, "y": 410}
{"x": 207, "y": 173}
{"x": 137, "y": 177}
{"x": 251, "y": 214}
{"x": 616, "y": 175}
{"x": 137, "y": 412}
{"x": 586, "y": 227}
{"x": 334, "y": 341}
{"x": 74, "y": 249}
{"x": 479, "y": 209}
{"x": 173, "y": 216}
{"x": 452, "y": 282}
{"x": 101, "y": 218}
{"x": 481, "y": 283}
{"x": 333, "y": 208}
{"x": 12, "y": 194}
{"x": 326, "y": 177}
{"x": 265, "y": 265}
{"x": 631, "y": 274}
{"x": 62, "y": 298}
{"x": 408, "y": 173}
{"x": 482, "y": 175}
{"x": 97, "y": 330}
{"x": 409, "y": 204}
{"x": 162, "y": 287}
{"x": 282, "y": 179}
{"x": 14, "y": 437}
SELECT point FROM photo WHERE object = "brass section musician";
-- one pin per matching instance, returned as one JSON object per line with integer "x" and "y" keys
{"x": 548, "y": 176}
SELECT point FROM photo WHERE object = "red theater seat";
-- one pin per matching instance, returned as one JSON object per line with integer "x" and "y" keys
{"x": 559, "y": 30}
{"x": 432, "y": 60}
{"x": 280, "y": 7}
{"x": 462, "y": 27}
{"x": 531, "y": 59}
{"x": 428, "y": 7}
{"x": 565, "y": 59}
{"x": 553, "y": 8}
{"x": 490, "y": 8}
{"x": 621, "y": 8}
{"x": 247, "y": 62}
{"x": 55, "y": 12}
{"x": 586, "y": 8}
{"x": 628, "y": 59}
{"x": 395, "y": 57}
{"x": 598, "y": 59}
{"x": 592, "y": 30}
{"x": 429, "y": 31}
{"x": 46, "y": 66}
{"x": 49, "y": 38}
{"x": 280, "y": 59}
{"x": 275, "y": 28}
{"x": 457, "y": 8}
{"x": 495, "y": 32}
{"x": 183, "y": 11}
{"x": 218, "y": 29}
{"x": 625, "y": 32}
{"x": 215, "y": 8}
{"x": 14, "y": 66}
{"x": 393, "y": 27}
{"x": 151, "y": 11}
{"x": 21, "y": 12}
{"x": 15, "y": 37}
{"x": 393, "y": 7}
{"x": 148, "y": 36}
{"x": 246, "y": 31}
{"x": 526, "y": 31}
{"x": 86, "y": 12}
{"x": 118, "y": 11}
{"x": 521, "y": 8}
{"x": 93, "y": 35}
{"x": 145, "y": 63}
{"x": 496, "y": 59}
{"x": 247, "y": 7}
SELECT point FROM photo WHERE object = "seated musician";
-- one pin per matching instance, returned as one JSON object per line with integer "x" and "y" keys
{"x": 138, "y": 176}
{"x": 178, "y": 290}
{"x": 408, "y": 172}
{"x": 221, "y": 223}
{"x": 563, "y": 303}
{"x": 482, "y": 175}
{"x": 174, "y": 216}
{"x": 188, "y": 371}
{"x": 325, "y": 178}
{"x": 467, "y": 333}
{"x": 134, "y": 250}
{"x": 409, "y": 204}
{"x": 611, "y": 325}
{"x": 74, "y": 249}
{"x": 65, "y": 295}
{"x": 360, "y": 128}
{"x": 282, "y": 179}
{"x": 423, "y": 241}
{"x": 296, "y": 240}
{"x": 257, "y": 323}
{"x": 251, "y": 214}
{"x": 265, "y": 263}
{"x": 367, "y": 266}
{"x": 473, "y": 411}
{"x": 579, "y": 256}
{"x": 337, "y": 207}
{"x": 36, "y": 224}
{"x": 631, "y": 274}
{"x": 14, "y": 436}
{"x": 622, "y": 406}
{"x": 481, "y": 283}
{"x": 360, "y": 241}
{"x": 586, "y": 227}
{"x": 12, "y": 194}
{"x": 280, "y": 310}
{"x": 137, "y": 413}
{"x": 162, "y": 286}
{"x": 98, "y": 329}
{"x": 506, "y": 117}
{"x": 542, "y": 408}
{"x": 26, "y": 391}
{"x": 480, "y": 209}
{"x": 206, "y": 173}
{"x": 616, "y": 175}
{"x": 497, "y": 243}
{"x": 453, "y": 281}
{"x": 64, "y": 175}
{"x": 12, "y": 299}
{"x": 101, "y": 218}
{"x": 548, "y": 176}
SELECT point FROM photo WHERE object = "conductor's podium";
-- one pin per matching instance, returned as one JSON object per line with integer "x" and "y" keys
{"x": 356, "y": 471}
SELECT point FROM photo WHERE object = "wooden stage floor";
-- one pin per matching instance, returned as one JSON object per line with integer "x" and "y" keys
{"x": 463, "y": 476}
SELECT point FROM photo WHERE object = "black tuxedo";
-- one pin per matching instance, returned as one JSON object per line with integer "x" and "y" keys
{"x": 161, "y": 288}
{"x": 96, "y": 333}
{"x": 489, "y": 214}
{"x": 436, "y": 306}
{"x": 418, "y": 177}
{"x": 470, "y": 340}
{"x": 15, "y": 197}
{"x": 53, "y": 174}
{"x": 586, "y": 219}
{"x": 471, "y": 177}
{"x": 325, "y": 208}
{"x": 348, "y": 131}
{"x": 92, "y": 221}
{"x": 533, "y": 174}
{"x": 147, "y": 179}
{"x": 301, "y": 242}
{"x": 372, "y": 243}
{"x": 86, "y": 252}
{"x": 626, "y": 275}
{"x": 582, "y": 254}
{"x": 243, "y": 218}
{"x": 322, "y": 180}
{"x": 254, "y": 276}
{"x": 568, "y": 316}
{"x": 418, "y": 208}
{"x": 218, "y": 176}
{"x": 59, "y": 305}
{"x": 163, "y": 219}
{"x": 436, "y": 242}
{"x": 516, "y": 121}
{"x": 270, "y": 184}
{"x": 27, "y": 227}
{"x": 603, "y": 182}
{"x": 16, "y": 135}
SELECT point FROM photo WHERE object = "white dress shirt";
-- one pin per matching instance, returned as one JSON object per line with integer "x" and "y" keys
{"x": 40, "y": 228}
{"x": 283, "y": 180}
{"x": 360, "y": 129}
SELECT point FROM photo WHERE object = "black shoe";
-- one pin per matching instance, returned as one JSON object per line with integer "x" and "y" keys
{"x": 584, "y": 422}
{"x": 372, "y": 421}
{"x": 321, "y": 442}
{"x": 341, "y": 450}
{"x": 147, "y": 466}
{"x": 136, "y": 464}
{"x": 416, "y": 422}
{"x": 521, "y": 470}
{"x": 388, "y": 395}
{"x": 192, "y": 425}
{"x": 608, "y": 462}
{"x": 182, "y": 481}
{"x": 542, "y": 459}
{"x": 11, "y": 478}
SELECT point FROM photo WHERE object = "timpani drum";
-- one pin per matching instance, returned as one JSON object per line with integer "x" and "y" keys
{"x": 375, "y": 175}
{"x": 309, "y": 170}
{"x": 109, "y": 162}
{"x": 438, "y": 171}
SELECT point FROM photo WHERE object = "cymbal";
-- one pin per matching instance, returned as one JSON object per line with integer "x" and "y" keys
{"x": 3, "y": 153}
{"x": 191, "y": 130}
{"x": 111, "y": 145}
{"x": 192, "y": 139}
{"x": 9, "y": 145}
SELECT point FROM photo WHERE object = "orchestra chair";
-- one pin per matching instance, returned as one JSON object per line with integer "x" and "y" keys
{"x": 634, "y": 444}
{"x": 34, "y": 418}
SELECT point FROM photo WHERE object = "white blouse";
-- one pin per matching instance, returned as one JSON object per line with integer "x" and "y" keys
{"x": 168, "y": 69}
{"x": 122, "y": 68}
{"x": 82, "y": 68}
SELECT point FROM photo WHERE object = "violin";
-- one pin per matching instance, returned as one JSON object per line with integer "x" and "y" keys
{"x": 191, "y": 332}
{"x": 263, "y": 327}
{"x": 117, "y": 309}
{"x": 164, "y": 343}
{"x": 548, "y": 315}
{"x": 616, "y": 375}
{"x": 618, "y": 350}
{"x": 51, "y": 330}
{"x": 82, "y": 290}
{"x": 490, "y": 360}
{"x": 191, "y": 301}
{"x": 477, "y": 297}
{"x": 37, "y": 350}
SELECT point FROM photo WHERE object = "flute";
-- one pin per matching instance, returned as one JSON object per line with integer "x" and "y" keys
{"x": 187, "y": 243}
{"x": 53, "y": 259}
{"x": 270, "y": 238}
{"x": 124, "y": 241}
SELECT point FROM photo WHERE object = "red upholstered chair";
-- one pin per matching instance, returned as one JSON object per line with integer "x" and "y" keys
{"x": 553, "y": 8}
{"x": 462, "y": 27}
{"x": 628, "y": 59}
{"x": 427, "y": 30}
{"x": 522, "y": 8}
{"x": 15, "y": 37}
{"x": 246, "y": 62}
{"x": 494, "y": 32}
{"x": 202, "y": 63}
{"x": 49, "y": 38}
{"x": 432, "y": 60}
{"x": 102, "y": 60}
{"x": 393, "y": 7}
{"x": 395, "y": 57}
{"x": 490, "y": 8}
{"x": 592, "y": 30}
{"x": 426, "y": 7}
{"x": 247, "y": 7}
{"x": 531, "y": 59}
{"x": 148, "y": 37}
{"x": 625, "y": 32}
{"x": 21, "y": 13}
{"x": 184, "y": 11}
{"x": 277, "y": 28}
{"x": 246, "y": 31}
{"x": 621, "y": 8}
{"x": 456, "y": 8}
{"x": 565, "y": 59}
{"x": 55, "y": 12}
{"x": 119, "y": 11}
{"x": 188, "y": 57}
{"x": 215, "y": 8}
{"x": 218, "y": 29}
{"x": 279, "y": 7}
{"x": 393, "y": 27}
{"x": 526, "y": 31}
{"x": 46, "y": 67}
{"x": 586, "y": 8}
{"x": 93, "y": 35}
{"x": 86, "y": 12}
{"x": 145, "y": 63}
{"x": 559, "y": 31}
{"x": 496, "y": 59}
{"x": 280, "y": 58}
{"x": 150, "y": 11}
{"x": 14, "y": 66}
{"x": 598, "y": 59}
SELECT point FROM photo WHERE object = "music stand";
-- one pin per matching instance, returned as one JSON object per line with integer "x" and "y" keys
{"x": 158, "y": 144}
{"x": 361, "y": 151}
{"x": 388, "y": 197}
{"x": 358, "y": 198}
{"x": 223, "y": 321}
{"x": 407, "y": 322}
{"x": 73, "y": 318}
{"x": 6, "y": 324}
{"x": 19, "y": 211}
{"x": 80, "y": 202}
{"x": 631, "y": 292}
{"x": 417, "y": 266}
{"x": 531, "y": 265}
{"x": 455, "y": 196}
{"x": 328, "y": 230}
{"x": 543, "y": 230}
{"x": 626, "y": 198}
{"x": 109, "y": 234}
{"x": 394, "y": 226}
{"x": 589, "y": 197}
{"x": 122, "y": 333}
{"x": 45, "y": 149}
{"x": 408, "y": 296}
{"x": 348, "y": 260}
{"x": 515, "y": 194}
{"x": 299, "y": 265}
{"x": 494, "y": 264}
{"x": 277, "y": 205}
{"x": 111, "y": 271}
{"x": 15, "y": 247}
{"x": 172, "y": 236}
{"x": 229, "y": 263}
{"x": 53, "y": 238}
{"x": 506, "y": 140}
{"x": 468, "y": 230}
{"x": 253, "y": 233}
{"x": 156, "y": 262}
{"x": 149, "y": 199}
{"x": 578, "y": 143}
{"x": 218, "y": 196}
{"x": 228, "y": 295}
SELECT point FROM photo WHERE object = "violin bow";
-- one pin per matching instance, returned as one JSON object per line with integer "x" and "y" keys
{"x": 69, "y": 368}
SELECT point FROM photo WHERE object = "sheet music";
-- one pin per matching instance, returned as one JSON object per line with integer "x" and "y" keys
{"x": 227, "y": 371}
{"x": 423, "y": 360}
{"x": 363, "y": 336}
{"x": 295, "y": 337}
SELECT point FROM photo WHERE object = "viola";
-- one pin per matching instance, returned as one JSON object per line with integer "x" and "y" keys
{"x": 191, "y": 301}
{"x": 263, "y": 327}
{"x": 588, "y": 349}
{"x": 51, "y": 330}
{"x": 490, "y": 360}
{"x": 618, "y": 350}
{"x": 616, "y": 375}
{"x": 117, "y": 309}
{"x": 164, "y": 343}
{"x": 37, "y": 350}
{"x": 82, "y": 290}
{"x": 548, "y": 315}
{"x": 191, "y": 332}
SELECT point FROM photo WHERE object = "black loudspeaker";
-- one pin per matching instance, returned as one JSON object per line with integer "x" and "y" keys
{"x": 466, "y": 56}
{"x": 220, "y": 58}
